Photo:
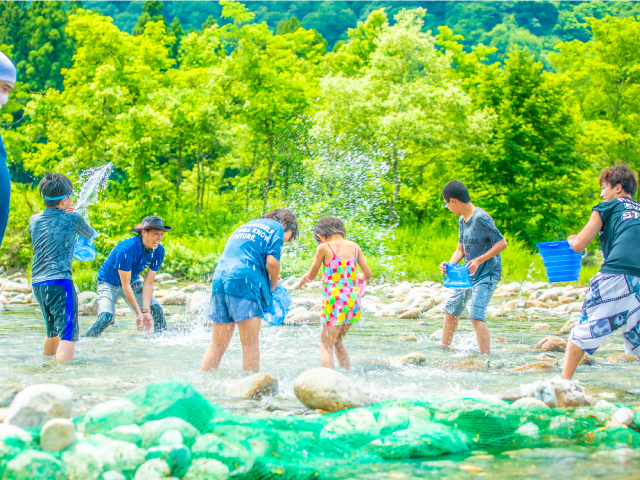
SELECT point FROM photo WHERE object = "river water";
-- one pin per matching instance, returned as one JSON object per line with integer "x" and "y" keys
{"x": 123, "y": 359}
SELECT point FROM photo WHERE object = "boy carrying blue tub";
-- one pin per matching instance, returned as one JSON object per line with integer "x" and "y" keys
{"x": 53, "y": 234}
{"x": 479, "y": 244}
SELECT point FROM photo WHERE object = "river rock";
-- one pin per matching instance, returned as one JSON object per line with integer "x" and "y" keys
{"x": 529, "y": 402}
{"x": 513, "y": 287}
{"x": 171, "y": 437}
{"x": 436, "y": 336}
{"x": 86, "y": 297}
{"x": 468, "y": 365}
{"x": 530, "y": 430}
{"x": 414, "y": 358}
{"x": 573, "y": 307}
{"x": 623, "y": 415}
{"x": 402, "y": 289}
{"x": 127, "y": 433}
{"x": 621, "y": 358}
{"x": 16, "y": 287}
{"x": 113, "y": 475}
{"x": 548, "y": 295}
{"x": 37, "y": 404}
{"x": 110, "y": 414}
{"x": 542, "y": 366}
{"x": 14, "y": 436}
{"x": 540, "y": 326}
{"x": 357, "y": 421}
{"x": 236, "y": 456}
{"x": 326, "y": 389}
{"x": 552, "y": 344}
{"x": 176, "y": 456}
{"x": 154, "y": 469}
{"x": 152, "y": 431}
{"x": 570, "y": 393}
{"x": 174, "y": 297}
{"x": 33, "y": 464}
{"x": 88, "y": 309}
{"x": 303, "y": 317}
{"x": 82, "y": 463}
{"x": 207, "y": 469}
{"x": 255, "y": 386}
{"x": 121, "y": 456}
{"x": 7, "y": 395}
{"x": 543, "y": 391}
{"x": 587, "y": 360}
{"x": 57, "y": 434}
{"x": 160, "y": 277}
{"x": 394, "y": 417}
{"x": 567, "y": 327}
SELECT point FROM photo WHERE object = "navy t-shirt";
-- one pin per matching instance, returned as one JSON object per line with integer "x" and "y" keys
{"x": 130, "y": 256}
{"x": 242, "y": 269}
{"x": 620, "y": 232}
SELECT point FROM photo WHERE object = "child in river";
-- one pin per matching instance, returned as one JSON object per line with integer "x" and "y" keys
{"x": 339, "y": 259}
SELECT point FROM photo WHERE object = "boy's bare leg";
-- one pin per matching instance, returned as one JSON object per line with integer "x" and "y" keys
{"x": 327, "y": 341}
{"x": 65, "y": 351}
{"x": 572, "y": 357}
{"x": 249, "y": 331}
{"x": 341, "y": 351}
{"x": 50, "y": 346}
{"x": 483, "y": 336}
{"x": 448, "y": 329}
{"x": 222, "y": 333}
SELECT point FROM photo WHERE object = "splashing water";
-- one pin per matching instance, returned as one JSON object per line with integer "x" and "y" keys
{"x": 93, "y": 180}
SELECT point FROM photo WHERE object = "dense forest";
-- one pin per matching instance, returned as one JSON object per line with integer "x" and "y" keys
{"x": 212, "y": 113}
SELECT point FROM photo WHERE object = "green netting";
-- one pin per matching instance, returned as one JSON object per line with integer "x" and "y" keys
{"x": 173, "y": 429}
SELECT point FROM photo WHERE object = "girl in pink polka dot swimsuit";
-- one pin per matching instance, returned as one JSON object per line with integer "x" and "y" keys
{"x": 343, "y": 286}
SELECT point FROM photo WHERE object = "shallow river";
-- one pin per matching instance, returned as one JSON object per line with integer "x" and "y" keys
{"x": 123, "y": 359}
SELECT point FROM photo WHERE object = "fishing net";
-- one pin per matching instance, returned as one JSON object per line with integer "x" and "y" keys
{"x": 171, "y": 426}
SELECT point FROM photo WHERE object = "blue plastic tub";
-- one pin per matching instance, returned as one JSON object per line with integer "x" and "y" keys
{"x": 561, "y": 263}
{"x": 457, "y": 276}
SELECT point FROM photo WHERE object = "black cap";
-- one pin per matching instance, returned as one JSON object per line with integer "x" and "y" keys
{"x": 151, "y": 223}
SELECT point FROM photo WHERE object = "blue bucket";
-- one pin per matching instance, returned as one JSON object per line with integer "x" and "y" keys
{"x": 457, "y": 276}
{"x": 281, "y": 305}
{"x": 561, "y": 263}
{"x": 84, "y": 250}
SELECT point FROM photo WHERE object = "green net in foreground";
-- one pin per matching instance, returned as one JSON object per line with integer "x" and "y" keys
{"x": 169, "y": 430}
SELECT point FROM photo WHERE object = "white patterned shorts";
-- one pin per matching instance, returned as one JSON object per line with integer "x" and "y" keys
{"x": 612, "y": 302}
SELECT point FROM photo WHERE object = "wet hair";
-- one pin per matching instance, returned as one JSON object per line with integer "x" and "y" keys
{"x": 456, "y": 189}
{"x": 54, "y": 185}
{"x": 328, "y": 226}
{"x": 287, "y": 218}
{"x": 620, "y": 175}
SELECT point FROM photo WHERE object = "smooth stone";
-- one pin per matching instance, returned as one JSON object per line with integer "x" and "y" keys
{"x": 57, "y": 434}
{"x": 410, "y": 338}
{"x": 235, "y": 455}
{"x": 436, "y": 336}
{"x": 623, "y": 415}
{"x": 530, "y": 430}
{"x": 415, "y": 358}
{"x": 587, "y": 360}
{"x": 303, "y": 317}
{"x": 37, "y": 404}
{"x": 153, "y": 469}
{"x": 469, "y": 365}
{"x": 621, "y": 358}
{"x": 82, "y": 463}
{"x": 16, "y": 287}
{"x": 108, "y": 415}
{"x": 529, "y": 402}
{"x": 152, "y": 431}
{"x": 541, "y": 366}
{"x": 177, "y": 457}
{"x": 121, "y": 456}
{"x": 540, "y": 326}
{"x": 163, "y": 276}
{"x": 174, "y": 297}
{"x": 402, "y": 289}
{"x": 207, "y": 469}
{"x": 567, "y": 327}
{"x": 255, "y": 386}
{"x": 171, "y": 437}
{"x": 552, "y": 344}
{"x": 14, "y": 436}
{"x": 86, "y": 297}
{"x": 548, "y": 295}
{"x": 571, "y": 394}
{"x": 127, "y": 433}
{"x": 326, "y": 389}
{"x": 358, "y": 421}
{"x": 32, "y": 464}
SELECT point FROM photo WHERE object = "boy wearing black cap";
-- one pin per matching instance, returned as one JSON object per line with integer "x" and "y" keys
{"x": 53, "y": 233}
{"x": 120, "y": 277}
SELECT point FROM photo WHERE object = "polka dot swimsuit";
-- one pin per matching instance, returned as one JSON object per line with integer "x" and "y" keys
{"x": 341, "y": 298}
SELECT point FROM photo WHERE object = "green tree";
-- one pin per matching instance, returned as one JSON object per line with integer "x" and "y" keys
{"x": 151, "y": 12}
{"x": 288, "y": 26}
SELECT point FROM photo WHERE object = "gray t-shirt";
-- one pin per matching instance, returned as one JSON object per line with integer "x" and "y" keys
{"x": 478, "y": 236}
{"x": 53, "y": 235}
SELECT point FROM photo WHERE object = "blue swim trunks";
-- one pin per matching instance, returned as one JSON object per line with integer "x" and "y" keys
{"x": 227, "y": 309}
{"x": 479, "y": 294}
{"x": 59, "y": 304}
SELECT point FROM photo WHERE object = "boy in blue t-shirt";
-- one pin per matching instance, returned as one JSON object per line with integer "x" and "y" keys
{"x": 120, "y": 277}
{"x": 479, "y": 244}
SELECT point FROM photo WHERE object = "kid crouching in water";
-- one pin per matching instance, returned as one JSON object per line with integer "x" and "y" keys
{"x": 339, "y": 259}
{"x": 480, "y": 244}
{"x": 53, "y": 234}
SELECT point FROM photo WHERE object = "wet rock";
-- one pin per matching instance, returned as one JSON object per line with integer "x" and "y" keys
{"x": 394, "y": 417}
{"x": 548, "y": 295}
{"x": 567, "y": 327}
{"x": 354, "y": 422}
{"x": 171, "y": 437}
{"x": 255, "y": 386}
{"x": 57, "y": 434}
{"x": 305, "y": 317}
{"x": 552, "y": 344}
{"x": 110, "y": 414}
{"x": 154, "y": 469}
{"x": 410, "y": 338}
{"x": 536, "y": 367}
{"x": 436, "y": 336}
{"x": 7, "y": 395}
{"x": 176, "y": 456}
{"x": 513, "y": 287}
{"x": 570, "y": 393}
{"x": 82, "y": 463}
{"x": 207, "y": 469}
{"x": 549, "y": 357}
{"x": 86, "y": 297}
{"x": 326, "y": 389}
{"x": 621, "y": 358}
{"x": 160, "y": 277}
{"x": 16, "y": 287}
{"x": 153, "y": 430}
{"x": 529, "y": 402}
{"x": 469, "y": 365}
{"x": 543, "y": 391}
{"x": 500, "y": 339}
{"x": 89, "y": 308}
{"x": 411, "y": 313}
{"x": 623, "y": 415}
{"x": 402, "y": 289}
{"x": 121, "y": 456}
{"x": 414, "y": 358}
{"x": 238, "y": 458}
{"x": 169, "y": 282}
{"x": 587, "y": 360}
{"x": 32, "y": 464}
{"x": 540, "y": 326}
{"x": 174, "y": 297}
{"x": 127, "y": 433}
{"x": 573, "y": 307}
{"x": 530, "y": 430}
{"x": 14, "y": 436}
{"x": 37, "y": 404}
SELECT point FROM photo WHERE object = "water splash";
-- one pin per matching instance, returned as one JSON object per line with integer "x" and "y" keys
{"x": 94, "y": 180}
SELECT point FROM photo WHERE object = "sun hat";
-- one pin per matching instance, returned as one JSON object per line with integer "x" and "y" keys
{"x": 151, "y": 223}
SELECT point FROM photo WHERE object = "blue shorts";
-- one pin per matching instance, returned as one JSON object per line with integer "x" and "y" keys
{"x": 479, "y": 294}
{"x": 59, "y": 304}
{"x": 227, "y": 309}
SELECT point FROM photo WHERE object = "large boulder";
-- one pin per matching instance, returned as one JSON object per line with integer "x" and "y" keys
{"x": 57, "y": 434}
{"x": 32, "y": 464}
{"x": 328, "y": 390}
{"x": 37, "y": 404}
{"x": 255, "y": 386}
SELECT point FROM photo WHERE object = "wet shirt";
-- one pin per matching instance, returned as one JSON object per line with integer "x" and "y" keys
{"x": 242, "y": 269}
{"x": 478, "y": 236}
{"x": 620, "y": 235}
{"x": 5, "y": 190}
{"x": 130, "y": 256}
{"x": 53, "y": 236}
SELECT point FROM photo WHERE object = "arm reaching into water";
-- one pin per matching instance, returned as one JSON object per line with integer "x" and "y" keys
{"x": 320, "y": 257}
{"x": 580, "y": 241}
{"x": 273, "y": 269}
{"x": 125, "y": 280}
{"x": 455, "y": 258}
